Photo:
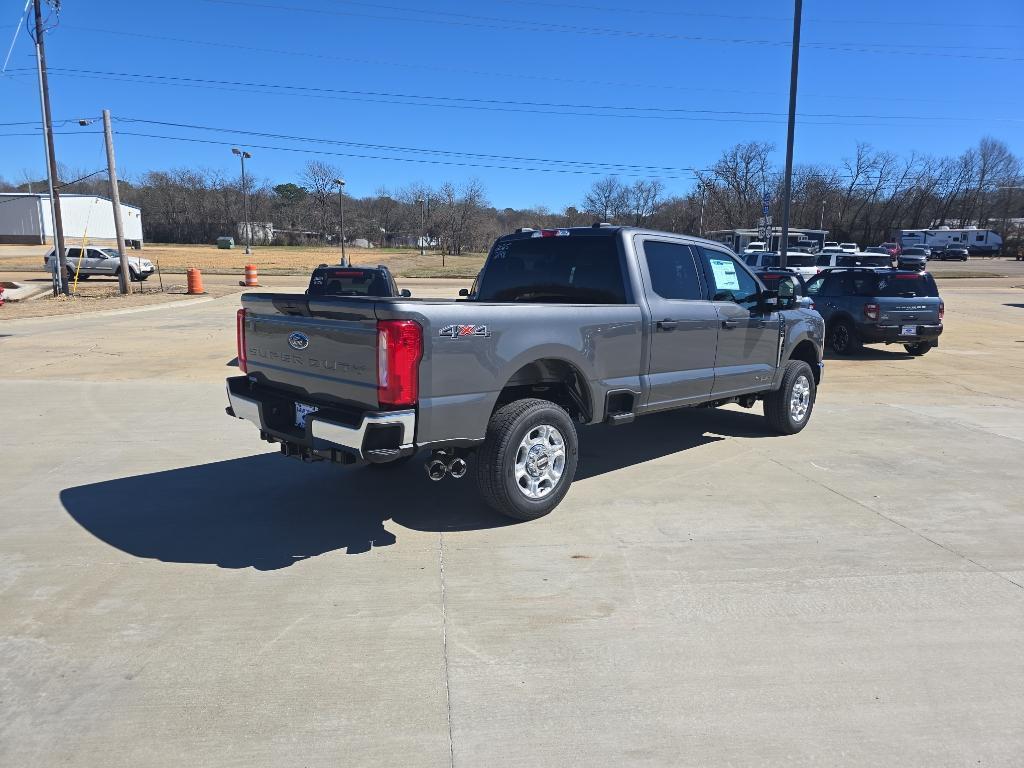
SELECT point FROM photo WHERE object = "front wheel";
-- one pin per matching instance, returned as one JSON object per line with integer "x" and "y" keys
{"x": 918, "y": 349}
{"x": 788, "y": 409}
{"x": 528, "y": 459}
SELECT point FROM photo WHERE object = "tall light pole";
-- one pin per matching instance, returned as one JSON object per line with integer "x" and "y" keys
{"x": 243, "y": 156}
{"x": 787, "y": 184}
{"x": 821, "y": 225}
{"x": 341, "y": 210}
{"x": 420, "y": 201}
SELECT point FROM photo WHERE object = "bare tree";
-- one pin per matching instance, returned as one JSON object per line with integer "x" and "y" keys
{"x": 644, "y": 197}
{"x": 608, "y": 199}
{"x": 318, "y": 179}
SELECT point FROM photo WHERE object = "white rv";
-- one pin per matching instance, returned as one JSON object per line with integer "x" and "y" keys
{"x": 977, "y": 241}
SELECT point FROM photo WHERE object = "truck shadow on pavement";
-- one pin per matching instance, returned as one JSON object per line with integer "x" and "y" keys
{"x": 267, "y": 512}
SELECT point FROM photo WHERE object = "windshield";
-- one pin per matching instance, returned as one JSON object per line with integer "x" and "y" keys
{"x": 110, "y": 253}
{"x": 583, "y": 269}
{"x": 348, "y": 282}
{"x": 913, "y": 251}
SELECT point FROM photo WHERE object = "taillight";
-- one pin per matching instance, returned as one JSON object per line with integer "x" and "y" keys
{"x": 243, "y": 361}
{"x": 399, "y": 350}
{"x": 942, "y": 310}
{"x": 871, "y": 311}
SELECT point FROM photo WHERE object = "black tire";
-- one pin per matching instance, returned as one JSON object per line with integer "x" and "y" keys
{"x": 843, "y": 338}
{"x": 496, "y": 460}
{"x": 918, "y": 349}
{"x": 781, "y": 408}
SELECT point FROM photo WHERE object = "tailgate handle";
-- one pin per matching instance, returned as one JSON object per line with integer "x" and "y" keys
{"x": 667, "y": 325}
{"x": 730, "y": 323}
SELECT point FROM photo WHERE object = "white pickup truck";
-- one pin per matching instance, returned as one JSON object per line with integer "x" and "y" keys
{"x": 94, "y": 260}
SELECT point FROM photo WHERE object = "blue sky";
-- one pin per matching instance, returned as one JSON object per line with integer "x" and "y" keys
{"x": 649, "y": 83}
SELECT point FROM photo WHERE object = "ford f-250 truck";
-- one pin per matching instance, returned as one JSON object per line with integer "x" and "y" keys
{"x": 562, "y": 327}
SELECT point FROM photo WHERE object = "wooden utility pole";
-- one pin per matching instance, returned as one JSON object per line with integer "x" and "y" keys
{"x": 124, "y": 278}
{"x": 51, "y": 153}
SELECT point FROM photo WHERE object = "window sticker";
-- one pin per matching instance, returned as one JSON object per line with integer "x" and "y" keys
{"x": 724, "y": 271}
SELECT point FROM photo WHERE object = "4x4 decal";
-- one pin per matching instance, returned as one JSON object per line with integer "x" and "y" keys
{"x": 463, "y": 331}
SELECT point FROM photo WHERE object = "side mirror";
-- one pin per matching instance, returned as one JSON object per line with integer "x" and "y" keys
{"x": 405, "y": 293}
{"x": 463, "y": 291}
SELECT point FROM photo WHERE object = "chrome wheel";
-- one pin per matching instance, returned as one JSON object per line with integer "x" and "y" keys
{"x": 540, "y": 461}
{"x": 800, "y": 399}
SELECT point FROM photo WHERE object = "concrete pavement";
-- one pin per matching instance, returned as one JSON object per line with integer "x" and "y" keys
{"x": 175, "y": 594}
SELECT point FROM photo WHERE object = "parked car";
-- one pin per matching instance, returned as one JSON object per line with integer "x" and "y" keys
{"x": 913, "y": 258}
{"x": 829, "y": 244}
{"x": 880, "y": 251}
{"x": 951, "y": 253}
{"x": 850, "y": 247}
{"x": 803, "y": 263}
{"x": 570, "y": 326}
{"x": 878, "y": 306}
{"x": 805, "y": 244}
{"x": 755, "y": 247}
{"x": 353, "y": 281}
{"x": 832, "y": 260}
{"x": 100, "y": 261}
{"x": 893, "y": 249}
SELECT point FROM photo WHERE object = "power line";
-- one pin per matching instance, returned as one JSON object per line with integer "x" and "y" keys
{"x": 546, "y": 78}
{"x": 420, "y": 150}
{"x": 541, "y": 169}
{"x": 508, "y": 105}
{"x": 502, "y": 24}
{"x": 737, "y": 17}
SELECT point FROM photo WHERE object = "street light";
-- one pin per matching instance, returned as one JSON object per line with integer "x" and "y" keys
{"x": 341, "y": 208}
{"x": 243, "y": 156}
{"x": 420, "y": 201}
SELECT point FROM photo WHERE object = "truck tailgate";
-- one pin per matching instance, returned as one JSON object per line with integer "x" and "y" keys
{"x": 321, "y": 350}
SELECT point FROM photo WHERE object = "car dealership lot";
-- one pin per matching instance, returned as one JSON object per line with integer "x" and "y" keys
{"x": 174, "y": 593}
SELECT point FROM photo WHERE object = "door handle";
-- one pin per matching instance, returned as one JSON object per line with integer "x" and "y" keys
{"x": 731, "y": 323}
{"x": 667, "y": 325}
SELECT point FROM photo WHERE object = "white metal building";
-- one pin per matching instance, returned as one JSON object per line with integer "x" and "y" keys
{"x": 25, "y": 219}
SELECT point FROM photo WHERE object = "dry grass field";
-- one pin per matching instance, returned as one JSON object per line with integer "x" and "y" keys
{"x": 274, "y": 259}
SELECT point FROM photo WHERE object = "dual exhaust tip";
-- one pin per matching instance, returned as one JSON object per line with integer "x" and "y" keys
{"x": 440, "y": 465}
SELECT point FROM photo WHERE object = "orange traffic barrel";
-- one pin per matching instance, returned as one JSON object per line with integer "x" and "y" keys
{"x": 195, "y": 280}
{"x": 251, "y": 276}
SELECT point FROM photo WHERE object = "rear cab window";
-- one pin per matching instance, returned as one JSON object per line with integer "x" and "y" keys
{"x": 584, "y": 269}
{"x": 901, "y": 284}
{"x": 349, "y": 281}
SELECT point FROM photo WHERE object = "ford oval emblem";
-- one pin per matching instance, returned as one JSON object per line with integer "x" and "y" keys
{"x": 298, "y": 340}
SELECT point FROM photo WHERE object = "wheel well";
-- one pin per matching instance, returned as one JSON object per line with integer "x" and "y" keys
{"x": 807, "y": 352}
{"x": 554, "y": 380}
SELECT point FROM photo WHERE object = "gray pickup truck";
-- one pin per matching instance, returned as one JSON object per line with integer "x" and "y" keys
{"x": 562, "y": 327}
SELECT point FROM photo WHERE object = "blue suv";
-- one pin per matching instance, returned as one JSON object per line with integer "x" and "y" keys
{"x": 878, "y": 306}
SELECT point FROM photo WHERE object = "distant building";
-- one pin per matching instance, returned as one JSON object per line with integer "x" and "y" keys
{"x": 262, "y": 232}
{"x": 25, "y": 219}
{"x": 738, "y": 239}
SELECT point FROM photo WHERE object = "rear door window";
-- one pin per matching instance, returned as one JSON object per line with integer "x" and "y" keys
{"x": 673, "y": 270}
{"x": 562, "y": 269}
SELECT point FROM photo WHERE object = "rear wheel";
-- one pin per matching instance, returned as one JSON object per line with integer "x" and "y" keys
{"x": 528, "y": 459}
{"x": 788, "y": 409}
{"x": 843, "y": 339}
{"x": 918, "y": 349}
